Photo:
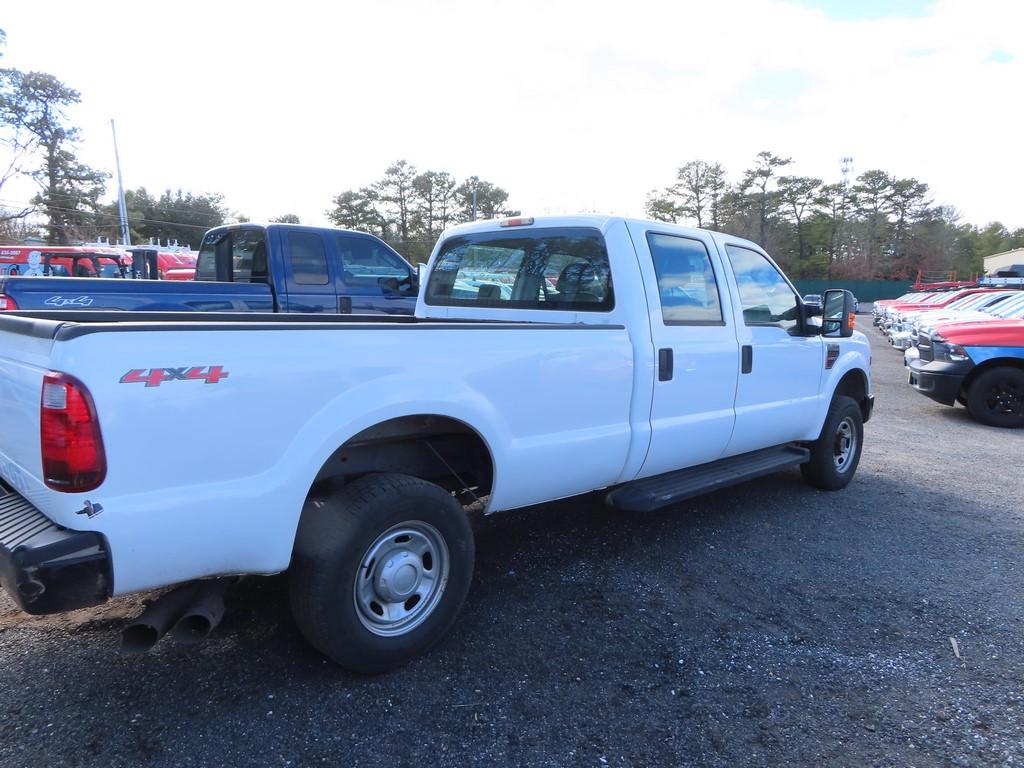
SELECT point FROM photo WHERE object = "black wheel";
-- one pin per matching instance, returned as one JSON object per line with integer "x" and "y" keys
{"x": 836, "y": 453}
{"x": 380, "y": 570}
{"x": 996, "y": 397}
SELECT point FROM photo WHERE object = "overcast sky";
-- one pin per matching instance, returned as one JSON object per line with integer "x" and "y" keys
{"x": 568, "y": 105}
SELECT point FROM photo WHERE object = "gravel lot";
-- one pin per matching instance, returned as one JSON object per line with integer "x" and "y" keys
{"x": 764, "y": 625}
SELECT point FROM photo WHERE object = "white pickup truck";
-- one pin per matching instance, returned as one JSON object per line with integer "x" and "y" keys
{"x": 548, "y": 357}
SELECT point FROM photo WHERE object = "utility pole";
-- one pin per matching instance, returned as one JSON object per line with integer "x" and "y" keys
{"x": 122, "y": 209}
{"x": 474, "y": 202}
{"x": 845, "y": 169}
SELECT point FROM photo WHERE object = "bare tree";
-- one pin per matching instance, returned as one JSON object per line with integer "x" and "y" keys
{"x": 397, "y": 193}
{"x": 757, "y": 182}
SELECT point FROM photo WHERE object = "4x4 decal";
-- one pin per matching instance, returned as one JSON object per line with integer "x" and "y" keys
{"x": 154, "y": 377}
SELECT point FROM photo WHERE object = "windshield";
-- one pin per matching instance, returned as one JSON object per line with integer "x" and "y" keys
{"x": 973, "y": 300}
{"x": 1009, "y": 308}
{"x": 992, "y": 300}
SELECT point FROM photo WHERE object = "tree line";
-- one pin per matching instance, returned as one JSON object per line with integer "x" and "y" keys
{"x": 409, "y": 209}
{"x": 872, "y": 226}
{"x": 39, "y": 142}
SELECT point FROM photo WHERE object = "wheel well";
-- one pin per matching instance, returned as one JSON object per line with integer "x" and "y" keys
{"x": 855, "y": 384}
{"x": 988, "y": 365}
{"x": 438, "y": 449}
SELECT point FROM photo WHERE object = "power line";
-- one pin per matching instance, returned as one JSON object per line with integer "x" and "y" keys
{"x": 105, "y": 215}
{"x": 97, "y": 213}
{"x": 169, "y": 210}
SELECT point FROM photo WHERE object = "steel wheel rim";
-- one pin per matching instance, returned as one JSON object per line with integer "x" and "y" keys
{"x": 401, "y": 578}
{"x": 845, "y": 444}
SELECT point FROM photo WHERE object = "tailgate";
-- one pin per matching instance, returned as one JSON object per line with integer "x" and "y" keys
{"x": 25, "y": 347}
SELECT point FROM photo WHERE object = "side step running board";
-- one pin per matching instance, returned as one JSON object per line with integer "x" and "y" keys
{"x": 653, "y": 493}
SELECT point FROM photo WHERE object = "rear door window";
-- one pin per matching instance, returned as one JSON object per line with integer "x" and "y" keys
{"x": 246, "y": 250}
{"x": 686, "y": 281}
{"x": 307, "y": 258}
{"x": 557, "y": 268}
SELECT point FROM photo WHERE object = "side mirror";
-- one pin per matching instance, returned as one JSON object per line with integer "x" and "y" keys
{"x": 421, "y": 273}
{"x": 839, "y": 314}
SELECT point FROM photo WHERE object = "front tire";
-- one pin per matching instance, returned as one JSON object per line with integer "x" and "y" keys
{"x": 380, "y": 570}
{"x": 836, "y": 453}
{"x": 996, "y": 397}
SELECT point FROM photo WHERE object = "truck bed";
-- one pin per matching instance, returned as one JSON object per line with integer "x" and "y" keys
{"x": 97, "y": 294}
{"x": 215, "y": 468}
{"x": 70, "y": 324}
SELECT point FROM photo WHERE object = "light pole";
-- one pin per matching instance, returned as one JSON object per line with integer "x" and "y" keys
{"x": 122, "y": 209}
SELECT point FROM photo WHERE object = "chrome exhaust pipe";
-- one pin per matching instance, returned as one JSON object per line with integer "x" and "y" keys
{"x": 145, "y": 631}
{"x": 203, "y": 613}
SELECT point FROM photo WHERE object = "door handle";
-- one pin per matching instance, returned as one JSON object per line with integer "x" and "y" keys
{"x": 746, "y": 358}
{"x": 665, "y": 364}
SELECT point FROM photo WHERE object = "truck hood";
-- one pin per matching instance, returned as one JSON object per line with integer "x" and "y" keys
{"x": 894, "y": 309}
{"x": 1005, "y": 333}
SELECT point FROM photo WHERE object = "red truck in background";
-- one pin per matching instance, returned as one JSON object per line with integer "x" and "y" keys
{"x": 172, "y": 263}
{"x": 64, "y": 261}
{"x": 176, "y": 265}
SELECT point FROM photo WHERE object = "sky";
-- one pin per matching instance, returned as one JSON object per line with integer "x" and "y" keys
{"x": 570, "y": 106}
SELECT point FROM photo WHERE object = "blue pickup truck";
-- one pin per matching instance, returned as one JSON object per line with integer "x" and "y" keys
{"x": 248, "y": 268}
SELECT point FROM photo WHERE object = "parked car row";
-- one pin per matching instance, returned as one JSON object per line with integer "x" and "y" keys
{"x": 963, "y": 345}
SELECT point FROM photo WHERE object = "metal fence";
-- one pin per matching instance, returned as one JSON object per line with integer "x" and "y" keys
{"x": 864, "y": 290}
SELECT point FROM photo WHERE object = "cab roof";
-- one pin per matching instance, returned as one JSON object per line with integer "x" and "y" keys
{"x": 596, "y": 220}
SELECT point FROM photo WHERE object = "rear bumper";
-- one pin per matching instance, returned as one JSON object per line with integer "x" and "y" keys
{"x": 941, "y": 381}
{"x": 46, "y": 568}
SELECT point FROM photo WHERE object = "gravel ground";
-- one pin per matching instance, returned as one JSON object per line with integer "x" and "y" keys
{"x": 764, "y": 625}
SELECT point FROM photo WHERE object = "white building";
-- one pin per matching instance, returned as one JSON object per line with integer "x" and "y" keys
{"x": 1007, "y": 261}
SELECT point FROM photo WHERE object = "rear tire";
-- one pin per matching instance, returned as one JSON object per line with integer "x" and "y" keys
{"x": 996, "y": 397}
{"x": 836, "y": 453}
{"x": 380, "y": 570}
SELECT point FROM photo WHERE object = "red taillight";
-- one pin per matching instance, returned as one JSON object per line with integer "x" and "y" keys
{"x": 73, "y": 457}
{"x": 520, "y": 221}
{"x": 6, "y": 302}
